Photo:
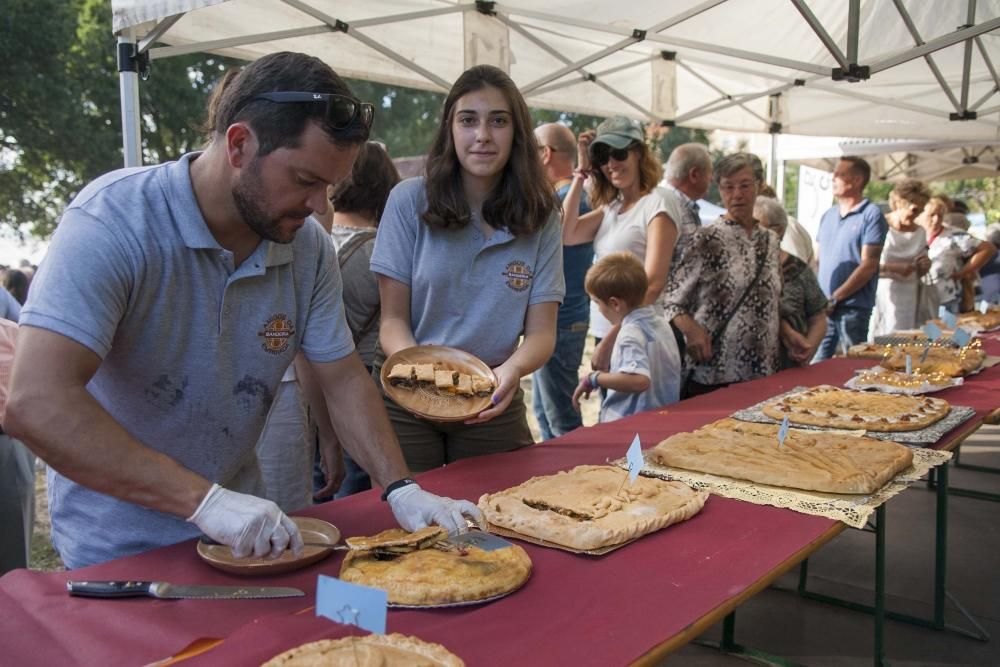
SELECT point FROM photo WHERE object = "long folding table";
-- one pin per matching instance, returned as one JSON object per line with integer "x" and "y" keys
{"x": 634, "y": 605}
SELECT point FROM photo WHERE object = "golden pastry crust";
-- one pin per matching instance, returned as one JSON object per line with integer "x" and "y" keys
{"x": 392, "y": 650}
{"x": 833, "y": 407}
{"x": 397, "y": 537}
{"x": 884, "y": 377}
{"x": 435, "y": 577}
{"x": 810, "y": 460}
{"x": 950, "y": 361}
{"x": 981, "y": 321}
{"x": 588, "y": 507}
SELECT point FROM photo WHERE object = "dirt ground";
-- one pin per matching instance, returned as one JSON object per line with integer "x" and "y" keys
{"x": 44, "y": 558}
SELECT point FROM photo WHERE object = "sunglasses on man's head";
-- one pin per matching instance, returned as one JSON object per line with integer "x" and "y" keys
{"x": 601, "y": 153}
{"x": 341, "y": 110}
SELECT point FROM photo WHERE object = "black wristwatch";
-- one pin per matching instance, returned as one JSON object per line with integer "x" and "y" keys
{"x": 398, "y": 484}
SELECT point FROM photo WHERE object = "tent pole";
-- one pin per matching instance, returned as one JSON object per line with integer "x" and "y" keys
{"x": 912, "y": 27}
{"x": 772, "y": 163}
{"x": 779, "y": 186}
{"x": 853, "y": 30}
{"x": 967, "y": 64}
{"x": 128, "y": 79}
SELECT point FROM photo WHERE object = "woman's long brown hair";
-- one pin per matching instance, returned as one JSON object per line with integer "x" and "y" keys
{"x": 522, "y": 201}
{"x": 650, "y": 173}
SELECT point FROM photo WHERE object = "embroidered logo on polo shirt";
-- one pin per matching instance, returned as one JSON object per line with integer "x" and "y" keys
{"x": 277, "y": 330}
{"x": 518, "y": 275}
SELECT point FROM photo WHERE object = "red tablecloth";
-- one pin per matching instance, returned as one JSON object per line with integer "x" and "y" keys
{"x": 575, "y": 609}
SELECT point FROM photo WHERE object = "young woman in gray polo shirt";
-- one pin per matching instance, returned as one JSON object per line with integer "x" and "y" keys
{"x": 470, "y": 256}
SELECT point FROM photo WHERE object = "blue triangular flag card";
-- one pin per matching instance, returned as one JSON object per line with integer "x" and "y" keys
{"x": 634, "y": 458}
{"x": 783, "y": 431}
{"x": 932, "y": 330}
{"x": 948, "y": 317}
{"x": 351, "y": 604}
{"x": 962, "y": 337}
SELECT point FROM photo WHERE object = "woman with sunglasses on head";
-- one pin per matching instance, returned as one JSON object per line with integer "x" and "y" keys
{"x": 470, "y": 256}
{"x": 629, "y": 214}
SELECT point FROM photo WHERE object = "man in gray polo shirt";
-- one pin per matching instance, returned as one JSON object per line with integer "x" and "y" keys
{"x": 171, "y": 302}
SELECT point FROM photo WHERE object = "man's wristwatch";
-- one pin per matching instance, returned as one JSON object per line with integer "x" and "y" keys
{"x": 398, "y": 484}
{"x": 832, "y": 304}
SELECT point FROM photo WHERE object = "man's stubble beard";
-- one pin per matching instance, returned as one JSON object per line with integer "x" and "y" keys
{"x": 248, "y": 195}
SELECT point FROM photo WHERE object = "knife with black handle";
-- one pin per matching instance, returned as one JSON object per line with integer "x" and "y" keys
{"x": 164, "y": 590}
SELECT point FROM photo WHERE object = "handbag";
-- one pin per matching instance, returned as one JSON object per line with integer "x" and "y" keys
{"x": 761, "y": 260}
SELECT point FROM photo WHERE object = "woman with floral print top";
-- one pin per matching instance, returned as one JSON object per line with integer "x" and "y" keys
{"x": 730, "y": 337}
{"x": 954, "y": 254}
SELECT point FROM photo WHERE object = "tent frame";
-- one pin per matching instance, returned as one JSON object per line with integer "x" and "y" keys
{"x": 134, "y": 52}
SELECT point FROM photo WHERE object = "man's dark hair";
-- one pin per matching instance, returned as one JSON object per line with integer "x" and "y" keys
{"x": 366, "y": 191}
{"x": 276, "y": 124}
{"x": 860, "y": 168}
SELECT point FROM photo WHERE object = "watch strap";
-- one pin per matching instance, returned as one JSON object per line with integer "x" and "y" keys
{"x": 398, "y": 484}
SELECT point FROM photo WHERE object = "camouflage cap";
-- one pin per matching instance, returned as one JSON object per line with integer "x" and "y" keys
{"x": 619, "y": 132}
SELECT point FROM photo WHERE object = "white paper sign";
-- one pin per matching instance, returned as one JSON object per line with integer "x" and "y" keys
{"x": 634, "y": 458}
{"x": 815, "y": 197}
{"x": 783, "y": 431}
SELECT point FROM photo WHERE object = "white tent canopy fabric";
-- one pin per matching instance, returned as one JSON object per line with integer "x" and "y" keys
{"x": 742, "y": 65}
{"x": 893, "y": 160}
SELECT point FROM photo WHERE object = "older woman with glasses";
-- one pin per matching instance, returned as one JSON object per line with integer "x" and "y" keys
{"x": 629, "y": 214}
{"x": 724, "y": 295}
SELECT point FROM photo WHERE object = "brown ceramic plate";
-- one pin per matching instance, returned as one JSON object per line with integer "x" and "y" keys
{"x": 313, "y": 530}
{"x": 427, "y": 403}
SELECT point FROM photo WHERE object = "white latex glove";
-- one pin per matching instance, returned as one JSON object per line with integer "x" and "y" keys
{"x": 415, "y": 508}
{"x": 248, "y": 524}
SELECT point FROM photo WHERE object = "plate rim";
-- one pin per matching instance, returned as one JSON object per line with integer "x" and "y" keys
{"x": 256, "y": 568}
{"x": 387, "y": 365}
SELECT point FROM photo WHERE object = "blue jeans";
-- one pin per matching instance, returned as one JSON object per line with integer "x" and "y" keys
{"x": 552, "y": 385}
{"x": 846, "y": 327}
{"x": 356, "y": 479}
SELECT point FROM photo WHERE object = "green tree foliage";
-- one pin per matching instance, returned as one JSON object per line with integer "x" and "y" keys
{"x": 60, "y": 119}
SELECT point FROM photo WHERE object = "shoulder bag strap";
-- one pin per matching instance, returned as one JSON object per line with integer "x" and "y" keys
{"x": 761, "y": 261}
{"x": 343, "y": 255}
{"x": 355, "y": 242}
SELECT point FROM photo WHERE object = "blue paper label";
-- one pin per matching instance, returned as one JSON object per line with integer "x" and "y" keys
{"x": 783, "y": 431}
{"x": 634, "y": 458}
{"x": 932, "y": 330}
{"x": 984, "y": 307}
{"x": 962, "y": 337}
{"x": 949, "y": 318}
{"x": 909, "y": 365}
{"x": 351, "y": 604}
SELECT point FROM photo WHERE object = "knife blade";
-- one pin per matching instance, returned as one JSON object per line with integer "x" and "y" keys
{"x": 478, "y": 538}
{"x": 164, "y": 590}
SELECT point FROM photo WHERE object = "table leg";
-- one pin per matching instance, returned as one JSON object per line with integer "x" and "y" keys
{"x": 941, "y": 594}
{"x": 729, "y": 646}
{"x": 879, "y": 653}
{"x": 941, "y": 547}
{"x": 932, "y": 481}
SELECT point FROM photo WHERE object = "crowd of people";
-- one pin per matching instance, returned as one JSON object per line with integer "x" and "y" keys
{"x": 201, "y": 349}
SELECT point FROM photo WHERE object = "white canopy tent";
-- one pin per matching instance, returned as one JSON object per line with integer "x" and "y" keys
{"x": 864, "y": 68}
{"x": 893, "y": 160}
